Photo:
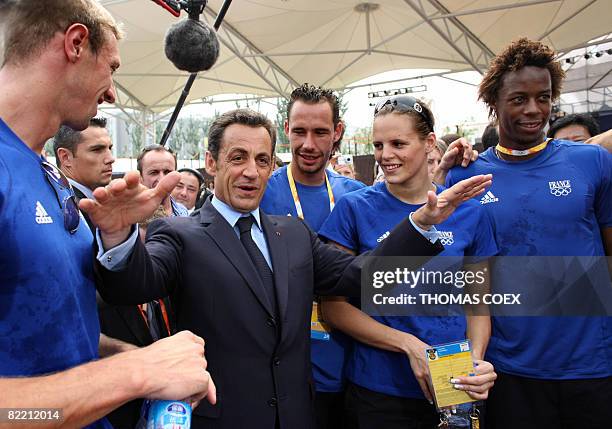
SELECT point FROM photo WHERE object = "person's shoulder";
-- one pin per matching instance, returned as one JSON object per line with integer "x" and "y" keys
{"x": 484, "y": 163}
{"x": 358, "y": 195}
{"x": 575, "y": 147}
{"x": 588, "y": 155}
{"x": 287, "y": 222}
{"x": 346, "y": 182}
{"x": 278, "y": 175}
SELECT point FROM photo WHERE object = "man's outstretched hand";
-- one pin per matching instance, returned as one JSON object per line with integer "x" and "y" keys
{"x": 439, "y": 207}
{"x": 124, "y": 202}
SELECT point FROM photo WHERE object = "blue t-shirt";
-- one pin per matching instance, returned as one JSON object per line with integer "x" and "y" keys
{"x": 327, "y": 357}
{"x": 554, "y": 204}
{"x": 48, "y": 315}
{"x": 363, "y": 219}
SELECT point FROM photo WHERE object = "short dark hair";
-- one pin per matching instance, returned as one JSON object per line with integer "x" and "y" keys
{"x": 311, "y": 94}
{"x": 68, "y": 138}
{"x": 583, "y": 119}
{"x": 153, "y": 148}
{"x": 246, "y": 117}
{"x": 519, "y": 54}
{"x": 195, "y": 173}
{"x": 490, "y": 136}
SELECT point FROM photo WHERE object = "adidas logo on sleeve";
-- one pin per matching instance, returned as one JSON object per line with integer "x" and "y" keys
{"x": 489, "y": 198}
{"x": 42, "y": 217}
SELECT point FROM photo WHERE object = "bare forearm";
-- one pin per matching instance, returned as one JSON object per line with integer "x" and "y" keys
{"x": 604, "y": 140}
{"x": 479, "y": 332}
{"x": 352, "y": 321}
{"x": 111, "y": 346}
{"x": 83, "y": 394}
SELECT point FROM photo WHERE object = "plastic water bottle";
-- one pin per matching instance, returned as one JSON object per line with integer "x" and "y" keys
{"x": 167, "y": 415}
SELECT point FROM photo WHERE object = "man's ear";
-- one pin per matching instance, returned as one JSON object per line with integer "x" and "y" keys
{"x": 76, "y": 40}
{"x": 65, "y": 157}
{"x": 338, "y": 131}
{"x": 210, "y": 164}
{"x": 287, "y": 127}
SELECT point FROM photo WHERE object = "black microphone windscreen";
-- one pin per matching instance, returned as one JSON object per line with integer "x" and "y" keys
{"x": 192, "y": 46}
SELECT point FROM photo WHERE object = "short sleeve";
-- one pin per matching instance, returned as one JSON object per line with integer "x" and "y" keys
{"x": 483, "y": 243}
{"x": 340, "y": 226}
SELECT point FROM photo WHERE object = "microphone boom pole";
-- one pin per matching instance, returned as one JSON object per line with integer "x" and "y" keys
{"x": 191, "y": 80}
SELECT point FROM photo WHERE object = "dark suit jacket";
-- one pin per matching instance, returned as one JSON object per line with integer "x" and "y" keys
{"x": 79, "y": 196}
{"x": 260, "y": 363}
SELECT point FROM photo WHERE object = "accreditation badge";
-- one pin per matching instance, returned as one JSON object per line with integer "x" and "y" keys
{"x": 319, "y": 330}
{"x": 448, "y": 361}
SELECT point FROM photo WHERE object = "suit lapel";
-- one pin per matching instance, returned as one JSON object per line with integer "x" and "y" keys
{"x": 280, "y": 265}
{"x": 226, "y": 239}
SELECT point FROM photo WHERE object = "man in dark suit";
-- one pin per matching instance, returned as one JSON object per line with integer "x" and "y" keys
{"x": 241, "y": 279}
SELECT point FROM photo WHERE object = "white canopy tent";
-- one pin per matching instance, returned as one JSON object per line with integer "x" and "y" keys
{"x": 271, "y": 46}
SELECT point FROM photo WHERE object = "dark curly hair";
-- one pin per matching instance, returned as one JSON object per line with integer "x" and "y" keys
{"x": 520, "y": 53}
{"x": 314, "y": 94}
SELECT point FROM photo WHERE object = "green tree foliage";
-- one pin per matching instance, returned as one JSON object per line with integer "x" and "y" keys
{"x": 282, "y": 141}
{"x": 186, "y": 139}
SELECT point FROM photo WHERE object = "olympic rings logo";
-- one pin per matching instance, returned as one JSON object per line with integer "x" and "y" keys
{"x": 560, "y": 192}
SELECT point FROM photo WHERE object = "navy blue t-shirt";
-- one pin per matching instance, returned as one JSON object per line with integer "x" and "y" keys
{"x": 359, "y": 222}
{"x": 327, "y": 356}
{"x": 554, "y": 204}
{"x": 48, "y": 314}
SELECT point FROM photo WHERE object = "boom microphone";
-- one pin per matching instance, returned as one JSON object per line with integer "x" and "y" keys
{"x": 192, "y": 46}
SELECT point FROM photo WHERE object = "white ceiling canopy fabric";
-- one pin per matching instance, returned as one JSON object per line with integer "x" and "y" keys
{"x": 270, "y": 46}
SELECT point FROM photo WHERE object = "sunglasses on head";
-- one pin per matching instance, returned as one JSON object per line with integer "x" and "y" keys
{"x": 403, "y": 103}
{"x": 64, "y": 194}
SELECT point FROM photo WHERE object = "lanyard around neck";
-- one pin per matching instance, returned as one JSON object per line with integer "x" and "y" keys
{"x": 525, "y": 152}
{"x": 296, "y": 198}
